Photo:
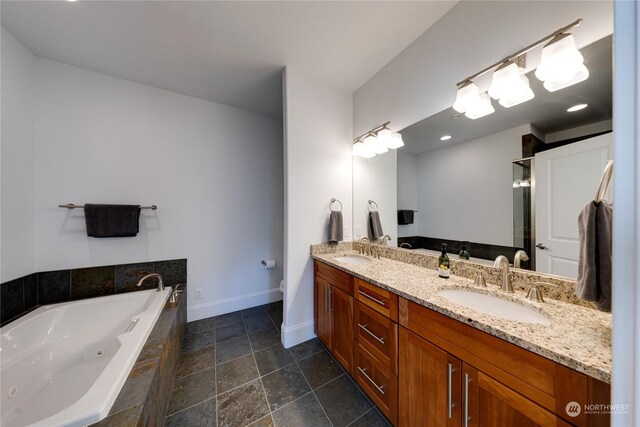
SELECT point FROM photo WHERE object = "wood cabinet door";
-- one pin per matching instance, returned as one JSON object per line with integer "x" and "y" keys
{"x": 429, "y": 384}
{"x": 341, "y": 311}
{"x": 488, "y": 403}
{"x": 323, "y": 317}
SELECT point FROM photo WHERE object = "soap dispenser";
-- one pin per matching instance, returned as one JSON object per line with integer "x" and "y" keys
{"x": 443, "y": 263}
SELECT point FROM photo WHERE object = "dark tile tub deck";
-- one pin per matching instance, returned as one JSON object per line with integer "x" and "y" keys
{"x": 144, "y": 398}
{"x": 233, "y": 371}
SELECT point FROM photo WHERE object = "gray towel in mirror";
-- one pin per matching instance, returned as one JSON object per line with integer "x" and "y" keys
{"x": 594, "y": 262}
{"x": 375, "y": 227}
{"x": 335, "y": 227}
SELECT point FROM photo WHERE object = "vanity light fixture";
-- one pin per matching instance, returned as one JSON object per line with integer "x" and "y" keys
{"x": 561, "y": 66}
{"x": 376, "y": 141}
{"x": 577, "y": 107}
{"x": 445, "y": 137}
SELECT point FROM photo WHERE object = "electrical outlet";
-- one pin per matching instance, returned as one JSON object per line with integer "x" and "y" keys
{"x": 347, "y": 233}
{"x": 198, "y": 293}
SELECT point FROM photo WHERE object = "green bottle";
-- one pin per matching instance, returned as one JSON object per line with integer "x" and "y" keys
{"x": 464, "y": 254}
{"x": 443, "y": 263}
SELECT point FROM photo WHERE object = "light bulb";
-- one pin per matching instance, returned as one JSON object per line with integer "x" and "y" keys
{"x": 395, "y": 141}
{"x": 480, "y": 108}
{"x": 466, "y": 96}
{"x": 510, "y": 86}
{"x": 562, "y": 64}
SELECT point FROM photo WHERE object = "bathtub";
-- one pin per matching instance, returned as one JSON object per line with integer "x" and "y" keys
{"x": 64, "y": 364}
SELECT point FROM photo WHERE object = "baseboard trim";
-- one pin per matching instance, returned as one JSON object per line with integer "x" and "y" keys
{"x": 216, "y": 308}
{"x": 297, "y": 334}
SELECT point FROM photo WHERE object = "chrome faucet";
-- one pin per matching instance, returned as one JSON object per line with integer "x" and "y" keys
{"x": 385, "y": 239}
{"x": 503, "y": 263}
{"x": 361, "y": 241}
{"x": 149, "y": 276}
{"x": 519, "y": 257}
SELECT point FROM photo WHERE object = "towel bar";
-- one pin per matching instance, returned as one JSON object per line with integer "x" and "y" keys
{"x": 72, "y": 206}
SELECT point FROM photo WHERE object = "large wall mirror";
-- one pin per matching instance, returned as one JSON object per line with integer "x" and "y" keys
{"x": 511, "y": 181}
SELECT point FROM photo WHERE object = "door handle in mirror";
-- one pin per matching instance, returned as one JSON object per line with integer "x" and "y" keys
{"x": 541, "y": 246}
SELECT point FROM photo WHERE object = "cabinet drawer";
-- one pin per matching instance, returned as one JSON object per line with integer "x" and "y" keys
{"x": 335, "y": 277}
{"x": 378, "y": 335}
{"x": 381, "y": 300}
{"x": 378, "y": 382}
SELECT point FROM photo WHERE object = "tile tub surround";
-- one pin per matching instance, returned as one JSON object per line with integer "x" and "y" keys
{"x": 22, "y": 295}
{"x": 144, "y": 398}
{"x": 246, "y": 379}
{"x": 578, "y": 337}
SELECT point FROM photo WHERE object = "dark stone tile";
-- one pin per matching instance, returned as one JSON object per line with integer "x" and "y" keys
{"x": 11, "y": 299}
{"x": 232, "y": 349}
{"x": 272, "y": 358}
{"x": 235, "y": 373}
{"x": 284, "y": 386}
{"x": 305, "y": 411}
{"x": 274, "y": 307}
{"x": 128, "y": 275}
{"x": 93, "y": 282}
{"x": 234, "y": 330}
{"x": 192, "y": 389}
{"x": 242, "y": 406}
{"x": 342, "y": 401}
{"x": 135, "y": 389}
{"x": 126, "y": 418}
{"x": 30, "y": 291}
{"x": 320, "y": 369}
{"x": 195, "y": 361}
{"x": 264, "y": 339}
{"x": 228, "y": 319}
{"x": 199, "y": 341}
{"x": 173, "y": 271}
{"x": 258, "y": 322}
{"x": 200, "y": 415}
{"x": 276, "y": 317}
{"x": 54, "y": 287}
{"x": 200, "y": 325}
{"x": 254, "y": 311}
{"x": 306, "y": 349}
{"x": 263, "y": 422}
{"x": 371, "y": 419}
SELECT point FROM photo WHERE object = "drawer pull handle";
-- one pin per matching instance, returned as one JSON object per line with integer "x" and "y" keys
{"x": 362, "y": 371}
{"x": 449, "y": 400}
{"x": 364, "y": 328}
{"x": 466, "y": 399}
{"x": 382, "y": 303}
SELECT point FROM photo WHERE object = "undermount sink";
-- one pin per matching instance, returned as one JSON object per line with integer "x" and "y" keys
{"x": 353, "y": 259}
{"x": 495, "y": 306}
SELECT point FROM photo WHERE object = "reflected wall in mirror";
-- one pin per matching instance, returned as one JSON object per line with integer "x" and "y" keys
{"x": 514, "y": 180}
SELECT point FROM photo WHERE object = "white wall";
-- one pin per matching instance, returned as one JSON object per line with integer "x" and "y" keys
{"x": 408, "y": 191}
{"x": 376, "y": 179}
{"x": 453, "y": 201}
{"x": 421, "y": 81}
{"x": 17, "y": 160}
{"x": 214, "y": 171}
{"x": 318, "y": 138}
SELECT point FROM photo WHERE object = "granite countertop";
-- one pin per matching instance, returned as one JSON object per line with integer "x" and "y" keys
{"x": 578, "y": 337}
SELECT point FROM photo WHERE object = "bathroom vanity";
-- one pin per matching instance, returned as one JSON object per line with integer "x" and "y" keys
{"x": 427, "y": 361}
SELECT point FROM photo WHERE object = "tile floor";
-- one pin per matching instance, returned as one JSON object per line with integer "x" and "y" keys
{"x": 233, "y": 371}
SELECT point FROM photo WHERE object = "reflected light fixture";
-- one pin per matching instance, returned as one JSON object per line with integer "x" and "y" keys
{"x": 376, "y": 141}
{"x": 577, "y": 107}
{"x": 445, "y": 137}
{"x": 561, "y": 65}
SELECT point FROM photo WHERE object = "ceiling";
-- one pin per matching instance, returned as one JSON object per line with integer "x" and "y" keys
{"x": 547, "y": 111}
{"x": 231, "y": 52}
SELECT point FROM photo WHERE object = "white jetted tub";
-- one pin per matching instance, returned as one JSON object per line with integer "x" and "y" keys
{"x": 64, "y": 364}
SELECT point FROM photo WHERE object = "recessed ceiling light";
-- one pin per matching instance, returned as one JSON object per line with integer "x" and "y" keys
{"x": 445, "y": 137}
{"x": 577, "y": 108}
{"x": 71, "y": 1}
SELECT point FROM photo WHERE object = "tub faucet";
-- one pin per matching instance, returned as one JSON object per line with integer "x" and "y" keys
{"x": 503, "y": 263}
{"x": 361, "y": 241}
{"x": 519, "y": 257}
{"x": 149, "y": 276}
